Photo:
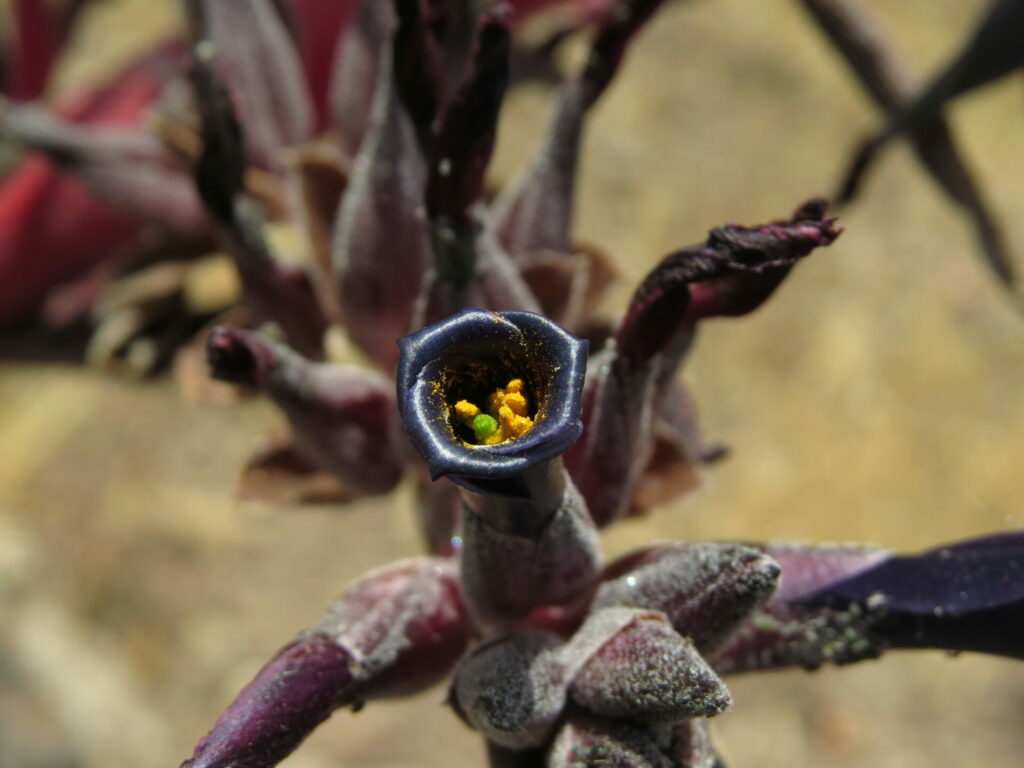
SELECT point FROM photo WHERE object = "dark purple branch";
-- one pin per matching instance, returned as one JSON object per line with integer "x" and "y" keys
{"x": 462, "y": 150}
{"x": 883, "y": 76}
{"x": 395, "y": 631}
{"x": 842, "y": 604}
{"x": 417, "y": 68}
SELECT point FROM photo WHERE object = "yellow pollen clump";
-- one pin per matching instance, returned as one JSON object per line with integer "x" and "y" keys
{"x": 506, "y": 416}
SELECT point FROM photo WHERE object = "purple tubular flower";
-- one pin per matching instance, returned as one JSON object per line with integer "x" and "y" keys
{"x": 467, "y": 357}
{"x": 343, "y": 418}
{"x": 844, "y": 604}
{"x": 527, "y": 538}
{"x": 395, "y": 631}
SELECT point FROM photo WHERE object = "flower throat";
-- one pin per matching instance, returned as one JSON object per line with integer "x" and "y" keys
{"x": 505, "y": 418}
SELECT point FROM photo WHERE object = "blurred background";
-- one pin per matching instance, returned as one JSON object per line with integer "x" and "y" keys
{"x": 878, "y": 397}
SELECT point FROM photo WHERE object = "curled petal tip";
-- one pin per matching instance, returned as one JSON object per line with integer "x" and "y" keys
{"x": 230, "y": 358}
{"x": 240, "y": 356}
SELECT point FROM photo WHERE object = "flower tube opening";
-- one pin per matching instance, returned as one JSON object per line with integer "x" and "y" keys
{"x": 489, "y": 362}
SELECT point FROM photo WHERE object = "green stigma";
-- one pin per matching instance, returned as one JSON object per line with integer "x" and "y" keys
{"x": 484, "y": 425}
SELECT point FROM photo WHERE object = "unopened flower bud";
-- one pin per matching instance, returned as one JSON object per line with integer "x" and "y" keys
{"x": 512, "y": 689}
{"x": 643, "y": 670}
{"x": 588, "y": 741}
{"x": 691, "y": 746}
{"x": 706, "y": 590}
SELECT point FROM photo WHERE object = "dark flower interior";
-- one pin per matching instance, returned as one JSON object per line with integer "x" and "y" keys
{"x": 467, "y": 358}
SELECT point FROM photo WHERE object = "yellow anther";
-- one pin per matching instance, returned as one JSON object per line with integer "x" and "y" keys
{"x": 505, "y": 416}
{"x": 516, "y": 402}
{"x": 507, "y": 405}
{"x": 465, "y": 410}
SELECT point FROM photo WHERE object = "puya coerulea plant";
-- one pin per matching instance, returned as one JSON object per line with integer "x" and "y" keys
{"x": 527, "y": 423}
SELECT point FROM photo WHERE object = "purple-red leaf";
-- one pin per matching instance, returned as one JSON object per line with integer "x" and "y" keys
{"x": 512, "y": 688}
{"x": 520, "y": 555}
{"x": 732, "y": 273}
{"x": 607, "y": 461}
{"x": 354, "y": 75}
{"x": 273, "y": 290}
{"x": 417, "y": 67}
{"x": 38, "y": 36}
{"x": 126, "y": 168}
{"x": 590, "y": 741}
{"x": 645, "y": 672}
{"x": 617, "y": 29}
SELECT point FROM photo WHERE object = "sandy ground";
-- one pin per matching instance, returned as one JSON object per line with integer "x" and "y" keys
{"x": 880, "y": 397}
